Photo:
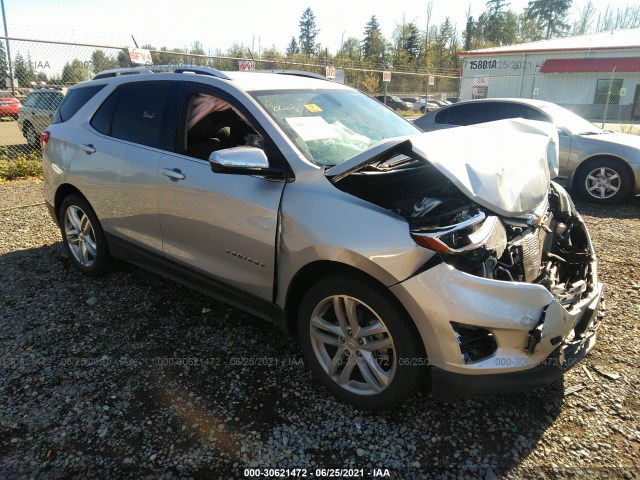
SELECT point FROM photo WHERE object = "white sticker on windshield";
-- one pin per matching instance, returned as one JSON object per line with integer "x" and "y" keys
{"x": 312, "y": 128}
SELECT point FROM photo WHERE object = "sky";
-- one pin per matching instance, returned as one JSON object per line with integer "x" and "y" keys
{"x": 219, "y": 24}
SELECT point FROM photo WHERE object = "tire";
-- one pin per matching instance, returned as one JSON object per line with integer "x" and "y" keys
{"x": 31, "y": 135}
{"x": 83, "y": 237}
{"x": 341, "y": 359}
{"x": 602, "y": 180}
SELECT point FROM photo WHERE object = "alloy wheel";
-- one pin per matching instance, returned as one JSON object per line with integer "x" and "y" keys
{"x": 353, "y": 345}
{"x": 80, "y": 236}
{"x": 603, "y": 183}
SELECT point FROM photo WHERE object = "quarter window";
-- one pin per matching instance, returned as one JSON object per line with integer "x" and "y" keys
{"x": 73, "y": 101}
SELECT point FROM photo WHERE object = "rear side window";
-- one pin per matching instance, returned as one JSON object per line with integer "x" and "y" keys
{"x": 30, "y": 101}
{"x": 73, "y": 101}
{"x": 472, "y": 113}
{"x": 138, "y": 114}
{"x": 101, "y": 120}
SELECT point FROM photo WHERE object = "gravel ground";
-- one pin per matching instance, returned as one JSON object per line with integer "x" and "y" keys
{"x": 135, "y": 376}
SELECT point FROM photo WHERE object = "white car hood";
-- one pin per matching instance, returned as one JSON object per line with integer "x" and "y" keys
{"x": 503, "y": 166}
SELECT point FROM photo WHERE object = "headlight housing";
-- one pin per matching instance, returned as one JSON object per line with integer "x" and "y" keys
{"x": 477, "y": 231}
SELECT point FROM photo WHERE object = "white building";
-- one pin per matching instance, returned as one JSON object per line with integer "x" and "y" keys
{"x": 589, "y": 74}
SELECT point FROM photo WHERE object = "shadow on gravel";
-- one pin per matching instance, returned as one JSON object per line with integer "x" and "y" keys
{"x": 131, "y": 374}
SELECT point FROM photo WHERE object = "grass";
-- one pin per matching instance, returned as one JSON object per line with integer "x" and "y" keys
{"x": 632, "y": 129}
{"x": 15, "y": 165}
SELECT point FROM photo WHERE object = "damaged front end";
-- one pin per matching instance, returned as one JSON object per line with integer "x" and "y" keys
{"x": 510, "y": 297}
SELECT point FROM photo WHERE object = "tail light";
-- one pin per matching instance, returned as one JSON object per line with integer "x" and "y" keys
{"x": 44, "y": 138}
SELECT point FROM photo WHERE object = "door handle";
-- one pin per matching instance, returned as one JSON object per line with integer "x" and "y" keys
{"x": 88, "y": 148}
{"x": 173, "y": 174}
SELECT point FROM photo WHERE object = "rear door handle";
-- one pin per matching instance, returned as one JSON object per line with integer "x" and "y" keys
{"x": 88, "y": 148}
{"x": 173, "y": 174}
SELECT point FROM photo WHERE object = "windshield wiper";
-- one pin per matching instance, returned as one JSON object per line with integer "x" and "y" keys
{"x": 591, "y": 133}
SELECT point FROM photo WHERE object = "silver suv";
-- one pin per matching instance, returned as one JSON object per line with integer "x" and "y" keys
{"x": 37, "y": 113}
{"x": 390, "y": 252}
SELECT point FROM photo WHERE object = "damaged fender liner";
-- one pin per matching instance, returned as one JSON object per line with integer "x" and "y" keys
{"x": 449, "y": 386}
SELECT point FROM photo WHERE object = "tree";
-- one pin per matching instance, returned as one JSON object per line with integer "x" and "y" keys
{"x": 351, "y": 49}
{"x": 101, "y": 61}
{"x": 469, "y": 32}
{"x": 550, "y": 15}
{"x": 292, "y": 48}
{"x": 374, "y": 44}
{"x": 4, "y": 66}
{"x": 124, "y": 60}
{"x": 75, "y": 71}
{"x": 23, "y": 70}
{"x": 582, "y": 25}
{"x": 308, "y": 33}
{"x": 494, "y": 21}
{"x": 371, "y": 83}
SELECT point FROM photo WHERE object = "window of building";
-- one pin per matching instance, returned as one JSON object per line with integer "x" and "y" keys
{"x": 603, "y": 87}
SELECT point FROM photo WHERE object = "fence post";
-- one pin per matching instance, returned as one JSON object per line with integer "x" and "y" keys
{"x": 606, "y": 105}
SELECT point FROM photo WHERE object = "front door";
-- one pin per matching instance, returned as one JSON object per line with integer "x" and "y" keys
{"x": 223, "y": 226}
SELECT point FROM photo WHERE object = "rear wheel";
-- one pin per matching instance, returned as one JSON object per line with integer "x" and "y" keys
{"x": 359, "y": 343}
{"x": 83, "y": 237}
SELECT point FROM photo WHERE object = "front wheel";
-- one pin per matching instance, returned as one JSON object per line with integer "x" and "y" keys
{"x": 603, "y": 181}
{"x": 360, "y": 345}
{"x": 83, "y": 237}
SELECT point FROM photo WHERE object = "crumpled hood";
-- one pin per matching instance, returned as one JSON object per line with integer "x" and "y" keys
{"x": 503, "y": 166}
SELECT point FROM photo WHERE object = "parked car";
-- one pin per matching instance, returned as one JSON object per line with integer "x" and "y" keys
{"x": 307, "y": 203}
{"x": 453, "y": 99}
{"x": 599, "y": 165}
{"x": 428, "y": 105}
{"x": 9, "y": 105}
{"x": 395, "y": 102}
{"x": 37, "y": 112}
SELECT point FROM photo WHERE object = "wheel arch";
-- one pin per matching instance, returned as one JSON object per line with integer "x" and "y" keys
{"x": 625, "y": 165}
{"x": 313, "y": 272}
{"x": 62, "y": 192}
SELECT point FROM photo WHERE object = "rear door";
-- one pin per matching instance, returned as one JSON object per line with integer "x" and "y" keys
{"x": 121, "y": 147}
{"x": 220, "y": 226}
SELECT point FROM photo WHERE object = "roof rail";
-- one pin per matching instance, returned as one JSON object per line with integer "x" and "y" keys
{"x": 298, "y": 73}
{"x": 116, "y": 72}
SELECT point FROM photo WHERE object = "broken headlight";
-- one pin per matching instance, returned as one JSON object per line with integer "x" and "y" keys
{"x": 475, "y": 230}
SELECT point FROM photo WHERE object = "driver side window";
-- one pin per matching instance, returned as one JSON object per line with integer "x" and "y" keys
{"x": 213, "y": 124}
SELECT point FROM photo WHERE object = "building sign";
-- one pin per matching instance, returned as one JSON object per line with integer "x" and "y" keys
{"x": 246, "y": 65}
{"x": 480, "y": 89}
{"x": 432, "y": 80}
{"x": 386, "y": 76}
{"x": 330, "y": 72}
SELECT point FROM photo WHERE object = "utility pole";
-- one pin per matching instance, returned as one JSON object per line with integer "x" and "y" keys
{"x": 4, "y": 22}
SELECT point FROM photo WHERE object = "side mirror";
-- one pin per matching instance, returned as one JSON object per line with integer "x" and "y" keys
{"x": 243, "y": 161}
{"x": 562, "y": 132}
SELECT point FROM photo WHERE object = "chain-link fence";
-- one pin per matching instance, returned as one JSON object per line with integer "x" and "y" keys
{"x": 34, "y": 82}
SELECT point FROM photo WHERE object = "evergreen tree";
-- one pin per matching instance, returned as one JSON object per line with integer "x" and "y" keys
{"x": 550, "y": 15}
{"x": 74, "y": 72}
{"x": 374, "y": 44}
{"x": 100, "y": 61}
{"x": 494, "y": 21}
{"x": 23, "y": 71}
{"x": 4, "y": 66}
{"x": 292, "y": 48}
{"x": 308, "y": 33}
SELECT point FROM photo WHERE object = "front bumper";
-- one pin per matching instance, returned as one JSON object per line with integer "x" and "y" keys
{"x": 510, "y": 311}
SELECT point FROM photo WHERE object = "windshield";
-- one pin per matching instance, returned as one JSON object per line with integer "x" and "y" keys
{"x": 567, "y": 119}
{"x": 332, "y": 126}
